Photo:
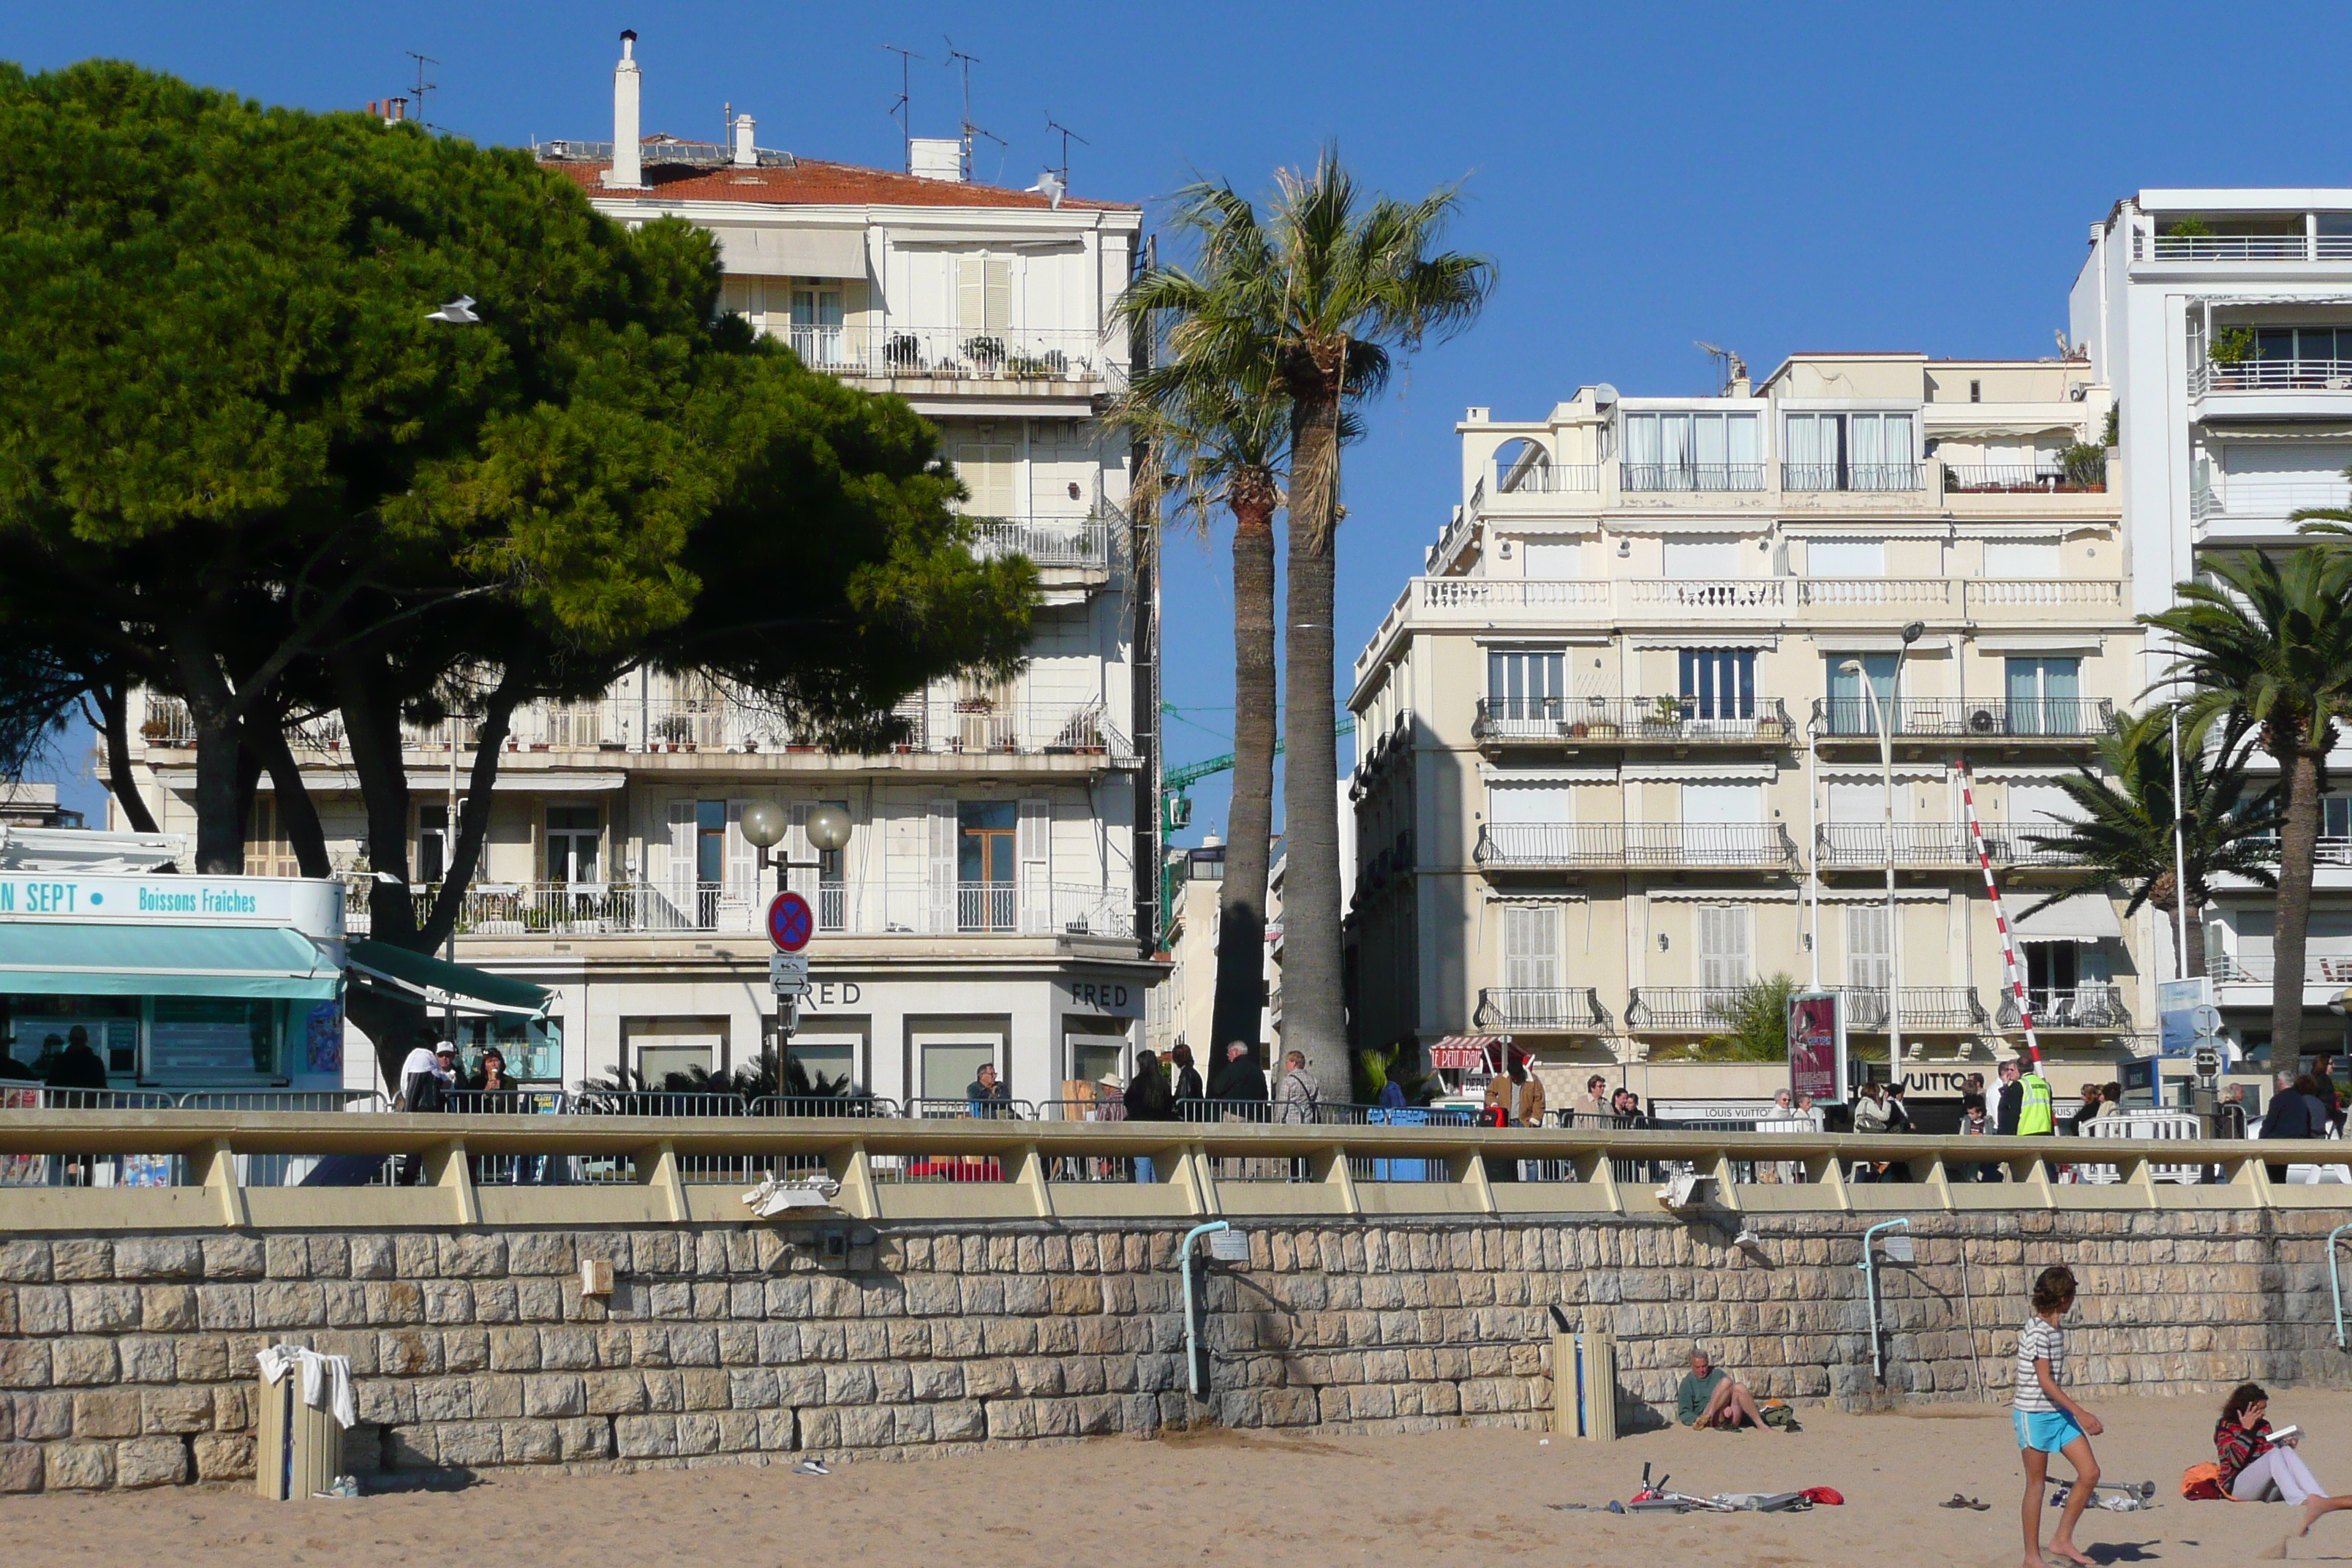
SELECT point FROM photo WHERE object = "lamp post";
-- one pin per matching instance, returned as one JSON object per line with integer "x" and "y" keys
{"x": 762, "y": 824}
{"x": 1883, "y": 720}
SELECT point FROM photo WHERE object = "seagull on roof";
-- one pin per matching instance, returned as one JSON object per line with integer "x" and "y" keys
{"x": 458, "y": 312}
{"x": 1049, "y": 184}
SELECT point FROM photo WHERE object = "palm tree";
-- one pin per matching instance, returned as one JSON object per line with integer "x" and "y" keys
{"x": 1219, "y": 435}
{"x": 2122, "y": 830}
{"x": 2265, "y": 650}
{"x": 1324, "y": 289}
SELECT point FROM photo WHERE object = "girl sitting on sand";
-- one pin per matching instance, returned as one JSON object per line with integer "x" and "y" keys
{"x": 2251, "y": 1464}
{"x": 2049, "y": 1421}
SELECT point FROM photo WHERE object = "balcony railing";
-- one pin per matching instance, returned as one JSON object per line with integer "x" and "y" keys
{"x": 2270, "y": 376}
{"x": 907, "y": 907}
{"x": 1560, "y": 1010}
{"x": 1551, "y": 479}
{"x": 2012, "y": 479}
{"x": 1003, "y": 355}
{"x": 1626, "y": 720}
{"x": 2261, "y": 969}
{"x": 1875, "y": 478}
{"x": 1680, "y": 1009}
{"x": 1925, "y": 1008}
{"x": 2247, "y": 247}
{"x": 1693, "y": 477}
{"x": 1855, "y": 845}
{"x": 1633, "y": 845}
{"x": 1951, "y": 718}
{"x": 1082, "y": 545}
{"x": 2097, "y": 1005}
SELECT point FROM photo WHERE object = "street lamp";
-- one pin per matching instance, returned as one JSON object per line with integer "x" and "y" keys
{"x": 1883, "y": 720}
{"x": 763, "y": 824}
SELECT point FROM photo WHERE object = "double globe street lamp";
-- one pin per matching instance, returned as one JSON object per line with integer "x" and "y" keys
{"x": 763, "y": 823}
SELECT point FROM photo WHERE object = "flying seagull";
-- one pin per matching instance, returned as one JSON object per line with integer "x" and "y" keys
{"x": 458, "y": 312}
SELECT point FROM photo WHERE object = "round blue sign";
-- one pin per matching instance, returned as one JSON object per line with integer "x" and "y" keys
{"x": 791, "y": 922}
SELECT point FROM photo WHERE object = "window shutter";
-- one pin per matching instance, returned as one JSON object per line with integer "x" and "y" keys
{"x": 1034, "y": 845}
{"x": 1723, "y": 946}
{"x": 983, "y": 293}
{"x": 943, "y": 866}
{"x": 1531, "y": 947}
{"x": 679, "y": 872}
{"x": 1869, "y": 959}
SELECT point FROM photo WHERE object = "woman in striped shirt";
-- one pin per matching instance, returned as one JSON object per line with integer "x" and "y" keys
{"x": 2050, "y": 1422}
{"x": 2254, "y": 1465}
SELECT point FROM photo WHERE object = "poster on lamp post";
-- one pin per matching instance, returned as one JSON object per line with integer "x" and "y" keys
{"x": 1817, "y": 1047}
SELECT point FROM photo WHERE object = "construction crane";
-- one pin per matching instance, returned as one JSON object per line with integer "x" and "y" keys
{"x": 1176, "y": 809}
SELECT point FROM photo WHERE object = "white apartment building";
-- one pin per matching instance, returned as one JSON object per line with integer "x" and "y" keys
{"x": 1618, "y": 757}
{"x": 2223, "y": 318}
{"x": 995, "y": 900}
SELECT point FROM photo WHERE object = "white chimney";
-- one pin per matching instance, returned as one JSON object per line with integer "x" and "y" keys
{"x": 747, "y": 152}
{"x": 628, "y": 170}
{"x": 935, "y": 157}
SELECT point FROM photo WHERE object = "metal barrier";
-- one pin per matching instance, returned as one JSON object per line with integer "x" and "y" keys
{"x": 2143, "y": 1124}
{"x": 975, "y": 1110}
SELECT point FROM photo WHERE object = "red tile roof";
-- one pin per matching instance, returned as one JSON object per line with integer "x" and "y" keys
{"x": 809, "y": 183}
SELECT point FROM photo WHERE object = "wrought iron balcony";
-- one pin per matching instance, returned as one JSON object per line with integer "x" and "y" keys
{"x": 1926, "y": 1009}
{"x": 1635, "y": 846}
{"x": 1875, "y": 478}
{"x": 1862, "y": 846}
{"x": 1560, "y": 1010}
{"x": 2097, "y": 1005}
{"x": 1680, "y": 1009}
{"x": 1628, "y": 722}
{"x": 2065, "y": 721}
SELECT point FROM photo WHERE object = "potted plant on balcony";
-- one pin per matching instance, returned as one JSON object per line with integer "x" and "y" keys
{"x": 670, "y": 731}
{"x": 1769, "y": 724}
{"x": 2231, "y": 345}
{"x": 1665, "y": 717}
{"x": 987, "y": 354}
{"x": 902, "y": 353}
{"x": 2086, "y": 468}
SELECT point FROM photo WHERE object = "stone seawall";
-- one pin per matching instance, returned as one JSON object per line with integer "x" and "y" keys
{"x": 128, "y": 1360}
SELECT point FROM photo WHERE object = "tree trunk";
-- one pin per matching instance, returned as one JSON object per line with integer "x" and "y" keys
{"x": 1240, "y": 897}
{"x": 473, "y": 825}
{"x": 2298, "y": 843}
{"x": 220, "y": 824}
{"x": 298, "y": 813}
{"x": 1314, "y": 1010}
{"x": 113, "y": 694}
{"x": 2196, "y": 953}
{"x": 371, "y": 729}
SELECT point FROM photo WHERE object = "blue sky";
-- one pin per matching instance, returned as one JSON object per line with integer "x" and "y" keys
{"x": 1771, "y": 178}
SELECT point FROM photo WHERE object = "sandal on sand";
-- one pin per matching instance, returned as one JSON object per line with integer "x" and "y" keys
{"x": 1961, "y": 1501}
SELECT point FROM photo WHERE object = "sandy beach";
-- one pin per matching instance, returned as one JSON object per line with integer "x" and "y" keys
{"x": 1469, "y": 1496}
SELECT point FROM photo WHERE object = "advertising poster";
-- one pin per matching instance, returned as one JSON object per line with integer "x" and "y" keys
{"x": 2176, "y": 1002}
{"x": 322, "y": 1038}
{"x": 1817, "y": 1047}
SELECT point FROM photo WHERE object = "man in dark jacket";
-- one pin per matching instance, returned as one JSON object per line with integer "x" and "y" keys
{"x": 1238, "y": 1076}
{"x": 2011, "y": 1100}
{"x": 2292, "y": 1114}
{"x": 78, "y": 1067}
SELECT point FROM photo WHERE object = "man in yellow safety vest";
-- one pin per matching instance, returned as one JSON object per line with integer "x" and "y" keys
{"x": 2033, "y": 1118}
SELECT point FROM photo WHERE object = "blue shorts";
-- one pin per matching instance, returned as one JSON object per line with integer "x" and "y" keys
{"x": 2046, "y": 1430}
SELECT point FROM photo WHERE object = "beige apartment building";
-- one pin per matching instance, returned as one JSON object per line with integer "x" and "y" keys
{"x": 1619, "y": 745}
{"x": 995, "y": 903}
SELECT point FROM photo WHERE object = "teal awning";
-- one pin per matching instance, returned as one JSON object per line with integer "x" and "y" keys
{"x": 424, "y": 978}
{"x": 75, "y": 958}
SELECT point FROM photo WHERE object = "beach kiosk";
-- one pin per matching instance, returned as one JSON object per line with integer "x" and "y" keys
{"x": 179, "y": 982}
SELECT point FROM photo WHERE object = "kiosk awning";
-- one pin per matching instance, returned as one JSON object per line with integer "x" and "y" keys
{"x": 424, "y": 978}
{"x": 87, "y": 958}
{"x": 1468, "y": 1053}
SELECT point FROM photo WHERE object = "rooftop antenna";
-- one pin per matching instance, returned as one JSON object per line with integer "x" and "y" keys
{"x": 423, "y": 87}
{"x": 966, "y": 61}
{"x": 903, "y": 112}
{"x": 1730, "y": 365}
{"x": 1068, "y": 136}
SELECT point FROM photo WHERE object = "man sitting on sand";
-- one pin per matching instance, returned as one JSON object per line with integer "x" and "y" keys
{"x": 1709, "y": 1399}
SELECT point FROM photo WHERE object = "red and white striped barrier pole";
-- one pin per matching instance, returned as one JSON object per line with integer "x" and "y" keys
{"x": 2011, "y": 971}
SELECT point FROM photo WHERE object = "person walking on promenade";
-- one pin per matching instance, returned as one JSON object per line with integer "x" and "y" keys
{"x": 79, "y": 1067}
{"x": 1187, "y": 1091}
{"x": 1296, "y": 1102}
{"x": 1239, "y": 1077}
{"x": 2323, "y": 1078}
{"x": 2086, "y": 1112}
{"x": 2049, "y": 1421}
{"x": 2009, "y": 1103}
{"x": 2254, "y": 1465}
{"x": 1596, "y": 1101}
{"x": 1147, "y": 1098}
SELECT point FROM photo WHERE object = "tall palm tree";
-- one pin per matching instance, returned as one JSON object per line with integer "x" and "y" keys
{"x": 1328, "y": 286}
{"x": 2265, "y": 650}
{"x": 2122, "y": 827}
{"x": 1214, "y": 436}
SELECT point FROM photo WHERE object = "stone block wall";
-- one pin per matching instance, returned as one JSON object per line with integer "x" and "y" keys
{"x": 128, "y": 1360}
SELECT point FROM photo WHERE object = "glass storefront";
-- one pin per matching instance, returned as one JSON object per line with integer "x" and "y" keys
{"x": 167, "y": 1040}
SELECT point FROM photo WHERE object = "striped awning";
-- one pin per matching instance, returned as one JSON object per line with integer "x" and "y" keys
{"x": 1470, "y": 1053}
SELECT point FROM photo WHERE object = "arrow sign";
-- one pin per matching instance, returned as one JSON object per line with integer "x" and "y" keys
{"x": 791, "y": 922}
{"x": 788, "y": 973}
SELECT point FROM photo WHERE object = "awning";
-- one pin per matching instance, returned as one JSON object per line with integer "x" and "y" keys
{"x": 82, "y": 850}
{"x": 76, "y": 958}
{"x": 2082, "y": 917}
{"x": 438, "y": 985}
{"x": 1468, "y": 1053}
{"x": 793, "y": 252}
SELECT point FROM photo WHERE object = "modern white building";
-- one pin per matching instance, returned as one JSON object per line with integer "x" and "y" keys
{"x": 1619, "y": 747}
{"x": 996, "y": 898}
{"x": 2223, "y": 318}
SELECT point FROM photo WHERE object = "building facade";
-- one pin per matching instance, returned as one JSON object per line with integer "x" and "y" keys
{"x": 1619, "y": 747}
{"x": 2224, "y": 321}
{"x": 994, "y": 903}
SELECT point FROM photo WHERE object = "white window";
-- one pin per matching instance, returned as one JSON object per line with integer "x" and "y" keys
{"x": 1845, "y": 558}
{"x": 1862, "y": 801}
{"x": 1529, "y": 803}
{"x": 1553, "y": 559}
{"x": 2042, "y": 807}
{"x": 816, "y": 325}
{"x": 1850, "y": 452}
{"x": 989, "y": 471}
{"x": 1525, "y": 683}
{"x": 1869, "y": 952}
{"x": 1723, "y": 803}
{"x": 1690, "y": 560}
{"x": 1724, "y": 931}
{"x": 1692, "y": 451}
{"x": 574, "y": 834}
{"x": 1531, "y": 947}
{"x": 983, "y": 293}
{"x": 2031, "y": 560}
